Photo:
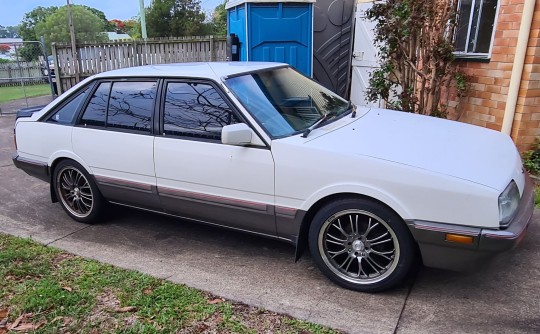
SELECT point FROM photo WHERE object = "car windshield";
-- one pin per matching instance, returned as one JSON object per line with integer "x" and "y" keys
{"x": 285, "y": 102}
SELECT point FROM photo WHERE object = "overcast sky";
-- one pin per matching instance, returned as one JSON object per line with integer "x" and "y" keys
{"x": 12, "y": 11}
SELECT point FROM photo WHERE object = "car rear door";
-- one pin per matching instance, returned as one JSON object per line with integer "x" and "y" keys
{"x": 114, "y": 137}
{"x": 200, "y": 178}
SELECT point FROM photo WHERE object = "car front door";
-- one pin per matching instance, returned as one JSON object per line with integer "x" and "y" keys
{"x": 114, "y": 138}
{"x": 200, "y": 178}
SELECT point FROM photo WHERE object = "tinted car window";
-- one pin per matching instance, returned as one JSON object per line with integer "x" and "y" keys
{"x": 131, "y": 105}
{"x": 95, "y": 111}
{"x": 195, "y": 110}
{"x": 66, "y": 114}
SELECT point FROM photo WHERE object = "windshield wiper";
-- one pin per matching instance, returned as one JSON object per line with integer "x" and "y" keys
{"x": 353, "y": 108}
{"x": 318, "y": 123}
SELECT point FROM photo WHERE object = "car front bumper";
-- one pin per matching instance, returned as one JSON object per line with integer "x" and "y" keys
{"x": 438, "y": 252}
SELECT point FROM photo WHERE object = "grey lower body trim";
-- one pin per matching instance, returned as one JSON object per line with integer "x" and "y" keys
{"x": 269, "y": 236}
{"x": 32, "y": 168}
{"x": 127, "y": 192}
{"x": 281, "y": 223}
{"x": 438, "y": 252}
{"x": 244, "y": 215}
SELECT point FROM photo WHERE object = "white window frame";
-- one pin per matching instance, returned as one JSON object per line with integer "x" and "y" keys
{"x": 476, "y": 55}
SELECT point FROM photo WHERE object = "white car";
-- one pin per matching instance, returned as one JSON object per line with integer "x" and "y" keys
{"x": 258, "y": 147}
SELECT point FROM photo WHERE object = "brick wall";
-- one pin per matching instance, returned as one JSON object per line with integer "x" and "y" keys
{"x": 486, "y": 100}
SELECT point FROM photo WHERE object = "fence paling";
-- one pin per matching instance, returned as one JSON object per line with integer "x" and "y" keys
{"x": 100, "y": 57}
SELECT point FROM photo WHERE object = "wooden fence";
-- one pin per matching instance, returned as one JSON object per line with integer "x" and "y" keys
{"x": 95, "y": 58}
{"x": 15, "y": 73}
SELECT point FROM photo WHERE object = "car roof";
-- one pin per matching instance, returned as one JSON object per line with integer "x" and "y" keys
{"x": 213, "y": 70}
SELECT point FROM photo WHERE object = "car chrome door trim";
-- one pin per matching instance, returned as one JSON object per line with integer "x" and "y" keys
{"x": 104, "y": 180}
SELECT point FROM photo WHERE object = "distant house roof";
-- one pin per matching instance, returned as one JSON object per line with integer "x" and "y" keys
{"x": 116, "y": 36}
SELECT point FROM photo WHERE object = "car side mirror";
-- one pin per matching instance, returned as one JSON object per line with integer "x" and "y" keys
{"x": 236, "y": 134}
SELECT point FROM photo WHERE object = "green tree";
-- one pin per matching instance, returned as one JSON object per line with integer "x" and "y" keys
{"x": 9, "y": 31}
{"x": 88, "y": 27}
{"x": 107, "y": 26}
{"x": 219, "y": 20}
{"x": 172, "y": 18}
{"x": 27, "y": 31}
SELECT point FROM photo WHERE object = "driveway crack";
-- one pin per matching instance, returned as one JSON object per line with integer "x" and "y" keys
{"x": 67, "y": 235}
{"x": 404, "y": 305}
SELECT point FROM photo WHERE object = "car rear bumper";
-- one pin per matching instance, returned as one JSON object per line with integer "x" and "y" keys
{"x": 32, "y": 168}
{"x": 482, "y": 244}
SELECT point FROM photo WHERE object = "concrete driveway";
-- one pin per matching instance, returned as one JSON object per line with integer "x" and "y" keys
{"x": 502, "y": 297}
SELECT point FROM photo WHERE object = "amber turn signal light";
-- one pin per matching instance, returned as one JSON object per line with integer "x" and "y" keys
{"x": 462, "y": 239}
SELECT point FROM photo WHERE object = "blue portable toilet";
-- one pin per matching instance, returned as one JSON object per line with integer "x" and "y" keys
{"x": 270, "y": 30}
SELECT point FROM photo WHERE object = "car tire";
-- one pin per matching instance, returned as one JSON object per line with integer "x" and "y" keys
{"x": 77, "y": 192}
{"x": 361, "y": 244}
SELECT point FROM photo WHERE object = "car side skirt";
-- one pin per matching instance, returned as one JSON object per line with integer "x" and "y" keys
{"x": 263, "y": 219}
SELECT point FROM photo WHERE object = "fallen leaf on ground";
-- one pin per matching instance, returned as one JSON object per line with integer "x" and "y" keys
{"x": 40, "y": 324}
{"x": 24, "y": 327}
{"x": 147, "y": 291}
{"x": 125, "y": 309}
{"x": 16, "y": 322}
{"x": 216, "y": 301}
{"x": 4, "y": 313}
{"x": 67, "y": 288}
{"x": 56, "y": 319}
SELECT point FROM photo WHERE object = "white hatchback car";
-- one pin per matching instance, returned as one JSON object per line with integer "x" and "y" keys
{"x": 258, "y": 147}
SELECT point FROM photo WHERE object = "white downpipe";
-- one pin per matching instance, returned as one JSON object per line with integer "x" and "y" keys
{"x": 517, "y": 68}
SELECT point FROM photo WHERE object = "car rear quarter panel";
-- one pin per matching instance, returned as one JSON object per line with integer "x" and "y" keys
{"x": 39, "y": 141}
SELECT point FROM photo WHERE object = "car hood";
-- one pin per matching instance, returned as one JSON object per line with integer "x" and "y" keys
{"x": 451, "y": 148}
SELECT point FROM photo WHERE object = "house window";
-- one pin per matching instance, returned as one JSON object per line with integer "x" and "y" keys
{"x": 474, "y": 31}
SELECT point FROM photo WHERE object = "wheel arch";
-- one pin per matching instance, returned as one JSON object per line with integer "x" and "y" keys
{"x": 302, "y": 240}
{"x": 54, "y": 160}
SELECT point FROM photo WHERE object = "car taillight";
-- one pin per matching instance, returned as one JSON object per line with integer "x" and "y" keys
{"x": 15, "y": 138}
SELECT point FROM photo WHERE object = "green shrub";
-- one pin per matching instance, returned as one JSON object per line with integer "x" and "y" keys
{"x": 531, "y": 159}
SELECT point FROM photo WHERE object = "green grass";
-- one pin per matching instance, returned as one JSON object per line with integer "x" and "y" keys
{"x": 17, "y": 92}
{"x": 57, "y": 292}
{"x": 537, "y": 197}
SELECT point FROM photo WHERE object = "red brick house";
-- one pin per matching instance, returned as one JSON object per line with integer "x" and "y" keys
{"x": 498, "y": 46}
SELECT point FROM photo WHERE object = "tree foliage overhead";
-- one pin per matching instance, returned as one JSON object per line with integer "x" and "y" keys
{"x": 107, "y": 26}
{"x": 415, "y": 40}
{"x": 219, "y": 20}
{"x": 27, "y": 29}
{"x": 9, "y": 32}
{"x": 88, "y": 27}
{"x": 172, "y": 18}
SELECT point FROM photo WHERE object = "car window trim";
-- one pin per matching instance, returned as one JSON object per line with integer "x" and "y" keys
{"x": 222, "y": 94}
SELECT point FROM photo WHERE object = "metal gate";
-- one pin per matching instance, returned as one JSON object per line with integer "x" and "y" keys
{"x": 25, "y": 76}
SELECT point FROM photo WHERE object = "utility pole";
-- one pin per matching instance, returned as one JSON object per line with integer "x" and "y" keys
{"x": 142, "y": 13}
{"x": 73, "y": 46}
{"x": 143, "y": 19}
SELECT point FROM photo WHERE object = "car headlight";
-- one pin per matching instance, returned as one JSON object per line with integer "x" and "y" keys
{"x": 508, "y": 204}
